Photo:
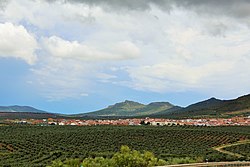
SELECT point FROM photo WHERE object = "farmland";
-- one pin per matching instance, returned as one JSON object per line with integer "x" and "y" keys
{"x": 243, "y": 149}
{"x": 38, "y": 146}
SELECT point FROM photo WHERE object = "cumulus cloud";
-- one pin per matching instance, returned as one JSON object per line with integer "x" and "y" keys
{"x": 151, "y": 45}
{"x": 199, "y": 62}
{"x": 74, "y": 50}
{"x": 3, "y": 4}
{"x": 215, "y": 79}
{"x": 32, "y": 12}
{"x": 69, "y": 69}
{"x": 17, "y": 42}
{"x": 232, "y": 8}
{"x": 176, "y": 77}
{"x": 117, "y": 5}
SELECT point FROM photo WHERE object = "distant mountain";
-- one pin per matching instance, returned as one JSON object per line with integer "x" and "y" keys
{"x": 17, "y": 108}
{"x": 215, "y": 108}
{"x": 27, "y": 115}
{"x": 209, "y": 108}
{"x": 24, "y": 112}
{"x": 126, "y": 108}
{"x": 131, "y": 108}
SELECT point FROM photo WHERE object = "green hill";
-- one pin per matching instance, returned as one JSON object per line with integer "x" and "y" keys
{"x": 209, "y": 108}
{"x": 156, "y": 108}
{"x": 131, "y": 108}
{"x": 166, "y": 112}
{"x": 215, "y": 108}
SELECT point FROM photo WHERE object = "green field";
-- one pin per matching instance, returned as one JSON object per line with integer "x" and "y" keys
{"x": 38, "y": 146}
{"x": 240, "y": 149}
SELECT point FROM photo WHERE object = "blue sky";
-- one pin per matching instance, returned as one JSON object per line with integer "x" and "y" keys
{"x": 78, "y": 55}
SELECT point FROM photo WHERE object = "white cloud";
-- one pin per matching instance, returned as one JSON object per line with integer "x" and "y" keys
{"x": 69, "y": 69}
{"x": 176, "y": 77}
{"x": 45, "y": 15}
{"x": 198, "y": 61}
{"x": 58, "y": 79}
{"x": 143, "y": 46}
{"x": 105, "y": 78}
{"x": 59, "y": 47}
{"x": 17, "y": 42}
{"x": 215, "y": 79}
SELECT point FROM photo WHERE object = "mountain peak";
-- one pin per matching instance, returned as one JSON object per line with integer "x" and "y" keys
{"x": 127, "y": 104}
{"x": 132, "y": 108}
{"x": 130, "y": 101}
{"x": 213, "y": 98}
{"x": 160, "y": 104}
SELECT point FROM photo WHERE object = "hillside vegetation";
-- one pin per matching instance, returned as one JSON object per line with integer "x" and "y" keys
{"x": 130, "y": 108}
{"x": 215, "y": 108}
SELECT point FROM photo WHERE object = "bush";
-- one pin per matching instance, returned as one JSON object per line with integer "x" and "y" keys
{"x": 98, "y": 162}
{"x": 125, "y": 158}
{"x": 186, "y": 160}
{"x": 66, "y": 163}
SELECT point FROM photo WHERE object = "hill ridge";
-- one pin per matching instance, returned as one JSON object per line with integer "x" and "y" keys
{"x": 19, "y": 108}
{"x": 215, "y": 107}
{"x": 130, "y": 108}
{"x": 211, "y": 107}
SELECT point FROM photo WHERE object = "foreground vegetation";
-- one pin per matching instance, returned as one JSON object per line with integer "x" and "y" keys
{"x": 39, "y": 146}
{"x": 126, "y": 157}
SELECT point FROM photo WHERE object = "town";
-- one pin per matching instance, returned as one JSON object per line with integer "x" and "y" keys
{"x": 234, "y": 121}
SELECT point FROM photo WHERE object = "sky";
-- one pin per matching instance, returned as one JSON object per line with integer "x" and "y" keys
{"x": 75, "y": 56}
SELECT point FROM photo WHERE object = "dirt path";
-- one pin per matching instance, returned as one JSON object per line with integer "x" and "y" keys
{"x": 222, "y": 164}
{"x": 221, "y": 148}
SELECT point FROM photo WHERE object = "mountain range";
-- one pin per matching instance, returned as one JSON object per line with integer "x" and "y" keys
{"x": 215, "y": 108}
{"x": 131, "y": 108}
{"x": 209, "y": 108}
{"x": 17, "y": 108}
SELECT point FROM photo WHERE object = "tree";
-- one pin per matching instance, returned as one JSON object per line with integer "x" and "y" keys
{"x": 124, "y": 158}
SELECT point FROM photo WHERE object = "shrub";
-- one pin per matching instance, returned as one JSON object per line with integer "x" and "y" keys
{"x": 125, "y": 158}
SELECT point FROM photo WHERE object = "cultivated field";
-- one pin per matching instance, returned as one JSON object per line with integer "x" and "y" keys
{"x": 38, "y": 146}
